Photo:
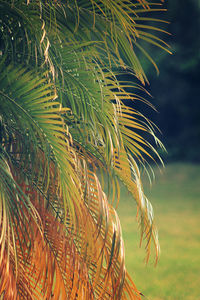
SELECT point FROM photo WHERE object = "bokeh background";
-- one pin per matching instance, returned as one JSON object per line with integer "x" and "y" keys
{"x": 176, "y": 90}
{"x": 175, "y": 193}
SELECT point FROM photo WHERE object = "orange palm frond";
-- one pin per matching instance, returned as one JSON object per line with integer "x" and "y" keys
{"x": 66, "y": 263}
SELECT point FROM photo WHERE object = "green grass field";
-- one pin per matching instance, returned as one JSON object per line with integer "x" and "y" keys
{"x": 175, "y": 196}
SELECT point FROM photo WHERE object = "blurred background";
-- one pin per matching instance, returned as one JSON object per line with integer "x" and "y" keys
{"x": 176, "y": 90}
{"x": 175, "y": 193}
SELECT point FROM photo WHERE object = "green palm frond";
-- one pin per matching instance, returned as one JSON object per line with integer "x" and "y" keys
{"x": 110, "y": 27}
{"x": 28, "y": 106}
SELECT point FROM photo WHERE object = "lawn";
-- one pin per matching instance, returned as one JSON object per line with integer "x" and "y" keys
{"x": 175, "y": 196}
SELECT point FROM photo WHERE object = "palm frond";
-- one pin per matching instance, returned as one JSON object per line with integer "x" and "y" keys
{"x": 64, "y": 116}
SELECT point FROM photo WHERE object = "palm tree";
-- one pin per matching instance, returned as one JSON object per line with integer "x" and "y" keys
{"x": 65, "y": 126}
